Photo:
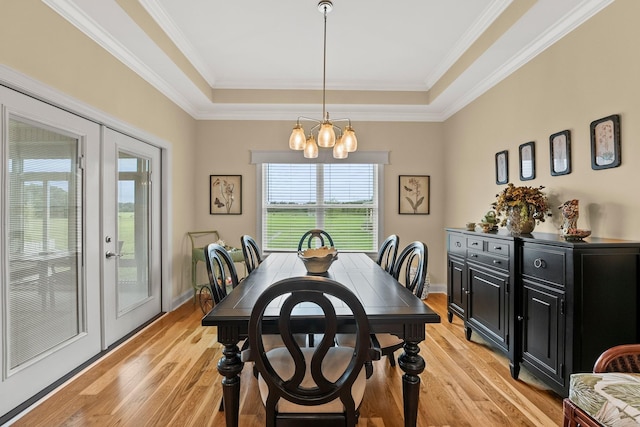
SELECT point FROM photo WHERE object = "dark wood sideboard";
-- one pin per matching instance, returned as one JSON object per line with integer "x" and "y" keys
{"x": 550, "y": 305}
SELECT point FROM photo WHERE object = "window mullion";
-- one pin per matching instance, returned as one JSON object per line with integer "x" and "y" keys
{"x": 320, "y": 209}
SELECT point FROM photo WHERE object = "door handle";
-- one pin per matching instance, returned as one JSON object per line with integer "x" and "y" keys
{"x": 110, "y": 254}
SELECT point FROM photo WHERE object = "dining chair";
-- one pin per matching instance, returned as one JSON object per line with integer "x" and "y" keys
{"x": 412, "y": 266}
{"x": 388, "y": 252}
{"x": 222, "y": 273}
{"x": 410, "y": 269}
{"x": 310, "y": 235}
{"x": 318, "y": 385}
{"x": 251, "y": 252}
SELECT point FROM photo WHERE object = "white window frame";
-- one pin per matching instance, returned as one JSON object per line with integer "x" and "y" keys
{"x": 259, "y": 157}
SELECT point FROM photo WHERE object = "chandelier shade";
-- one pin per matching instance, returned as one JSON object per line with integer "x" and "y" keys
{"x": 310, "y": 148}
{"x": 297, "y": 139}
{"x": 345, "y": 141}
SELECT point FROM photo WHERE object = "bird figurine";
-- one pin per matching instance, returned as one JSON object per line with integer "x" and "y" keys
{"x": 570, "y": 213}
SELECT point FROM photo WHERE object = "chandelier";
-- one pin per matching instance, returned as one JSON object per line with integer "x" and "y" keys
{"x": 345, "y": 142}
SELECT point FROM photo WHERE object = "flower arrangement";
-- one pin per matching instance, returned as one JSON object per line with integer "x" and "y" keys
{"x": 526, "y": 198}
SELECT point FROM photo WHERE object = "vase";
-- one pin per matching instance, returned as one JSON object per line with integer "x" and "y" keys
{"x": 520, "y": 220}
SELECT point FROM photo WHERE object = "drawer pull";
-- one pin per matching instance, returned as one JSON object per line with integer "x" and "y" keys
{"x": 473, "y": 256}
{"x": 497, "y": 261}
{"x": 539, "y": 263}
{"x": 458, "y": 244}
{"x": 474, "y": 244}
{"x": 497, "y": 248}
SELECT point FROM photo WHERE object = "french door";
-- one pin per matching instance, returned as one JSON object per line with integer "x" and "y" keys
{"x": 49, "y": 265}
{"x": 80, "y": 263}
{"x": 131, "y": 234}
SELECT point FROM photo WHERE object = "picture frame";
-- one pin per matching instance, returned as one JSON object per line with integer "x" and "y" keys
{"x": 605, "y": 142}
{"x": 560, "y": 153}
{"x": 527, "y": 156}
{"x": 414, "y": 194}
{"x": 502, "y": 167}
{"x": 225, "y": 194}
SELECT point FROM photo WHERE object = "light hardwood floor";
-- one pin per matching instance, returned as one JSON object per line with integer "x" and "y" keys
{"x": 166, "y": 376}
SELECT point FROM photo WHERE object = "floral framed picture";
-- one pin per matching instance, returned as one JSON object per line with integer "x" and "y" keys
{"x": 502, "y": 167}
{"x": 560, "y": 153}
{"x": 527, "y": 154}
{"x": 225, "y": 194}
{"x": 605, "y": 142}
{"x": 413, "y": 194}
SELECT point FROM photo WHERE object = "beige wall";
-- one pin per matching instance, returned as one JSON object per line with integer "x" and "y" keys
{"x": 36, "y": 41}
{"x": 415, "y": 149}
{"x": 591, "y": 73}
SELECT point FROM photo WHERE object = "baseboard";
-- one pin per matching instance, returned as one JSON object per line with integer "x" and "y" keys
{"x": 181, "y": 299}
{"x": 438, "y": 288}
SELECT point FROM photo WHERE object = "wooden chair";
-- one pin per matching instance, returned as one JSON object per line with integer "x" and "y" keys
{"x": 412, "y": 263}
{"x": 314, "y": 386}
{"x": 388, "y": 252}
{"x": 610, "y": 366}
{"x": 222, "y": 273}
{"x": 310, "y": 235}
{"x": 251, "y": 252}
{"x": 410, "y": 269}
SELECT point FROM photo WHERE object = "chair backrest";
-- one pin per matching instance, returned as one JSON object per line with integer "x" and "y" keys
{"x": 251, "y": 252}
{"x": 388, "y": 252}
{"x": 412, "y": 264}
{"x": 221, "y": 270}
{"x": 310, "y": 235}
{"x": 308, "y": 289}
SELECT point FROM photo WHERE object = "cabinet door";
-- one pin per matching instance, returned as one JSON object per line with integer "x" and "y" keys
{"x": 456, "y": 284}
{"x": 543, "y": 330}
{"x": 487, "y": 304}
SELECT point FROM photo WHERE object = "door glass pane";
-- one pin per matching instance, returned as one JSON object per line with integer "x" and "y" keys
{"x": 133, "y": 231}
{"x": 44, "y": 296}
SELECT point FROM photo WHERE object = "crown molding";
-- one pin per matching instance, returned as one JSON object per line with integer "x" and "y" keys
{"x": 363, "y": 113}
{"x": 167, "y": 24}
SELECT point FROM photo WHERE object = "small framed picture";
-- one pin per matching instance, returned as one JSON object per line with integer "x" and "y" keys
{"x": 605, "y": 142}
{"x": 502, "y": 167}
{"x": 225, "y": 194}
{"x": 413, "y": 194}
{"x": 560, "y": 153}
{"x": 527, "y": 156}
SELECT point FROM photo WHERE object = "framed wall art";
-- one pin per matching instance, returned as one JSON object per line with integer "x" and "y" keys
{"x": 225, "y": 194}
{"x": 527, "y": 155}
{"x": 560, "y": 153}
{"x": 502, "y": 167}
{"x": 605, "y": 142}
{"x": 413, "y": 194}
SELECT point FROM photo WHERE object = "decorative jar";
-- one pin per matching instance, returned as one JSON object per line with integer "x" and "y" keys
{"x": 520, "y": 219}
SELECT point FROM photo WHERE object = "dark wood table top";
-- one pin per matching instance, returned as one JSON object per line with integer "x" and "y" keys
{"x": 390, "y": 307}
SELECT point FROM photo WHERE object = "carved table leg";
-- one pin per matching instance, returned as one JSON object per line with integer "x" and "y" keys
{"x": 412, "y": 364}
{"x": 230, "y": 367}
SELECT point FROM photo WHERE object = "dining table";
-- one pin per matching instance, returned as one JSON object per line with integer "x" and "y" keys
{"x": 390, "y": 307}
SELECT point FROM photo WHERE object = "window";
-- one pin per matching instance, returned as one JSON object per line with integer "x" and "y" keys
{"x": 45, "y": 228}
{"x": 340, "y": 198}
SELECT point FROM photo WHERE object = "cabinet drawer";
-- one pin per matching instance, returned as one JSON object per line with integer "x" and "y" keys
{"x": 489, "y": 260}
{"x": 457, "y": 244}
{"x": 498, "y": 248}
{"x": 475, "y": 244}
{"x": 544, "y": 264}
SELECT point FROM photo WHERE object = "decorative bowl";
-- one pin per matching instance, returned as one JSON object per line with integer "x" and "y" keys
{"x": 318, "y": 260}
{"x": 576, "y": 234}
